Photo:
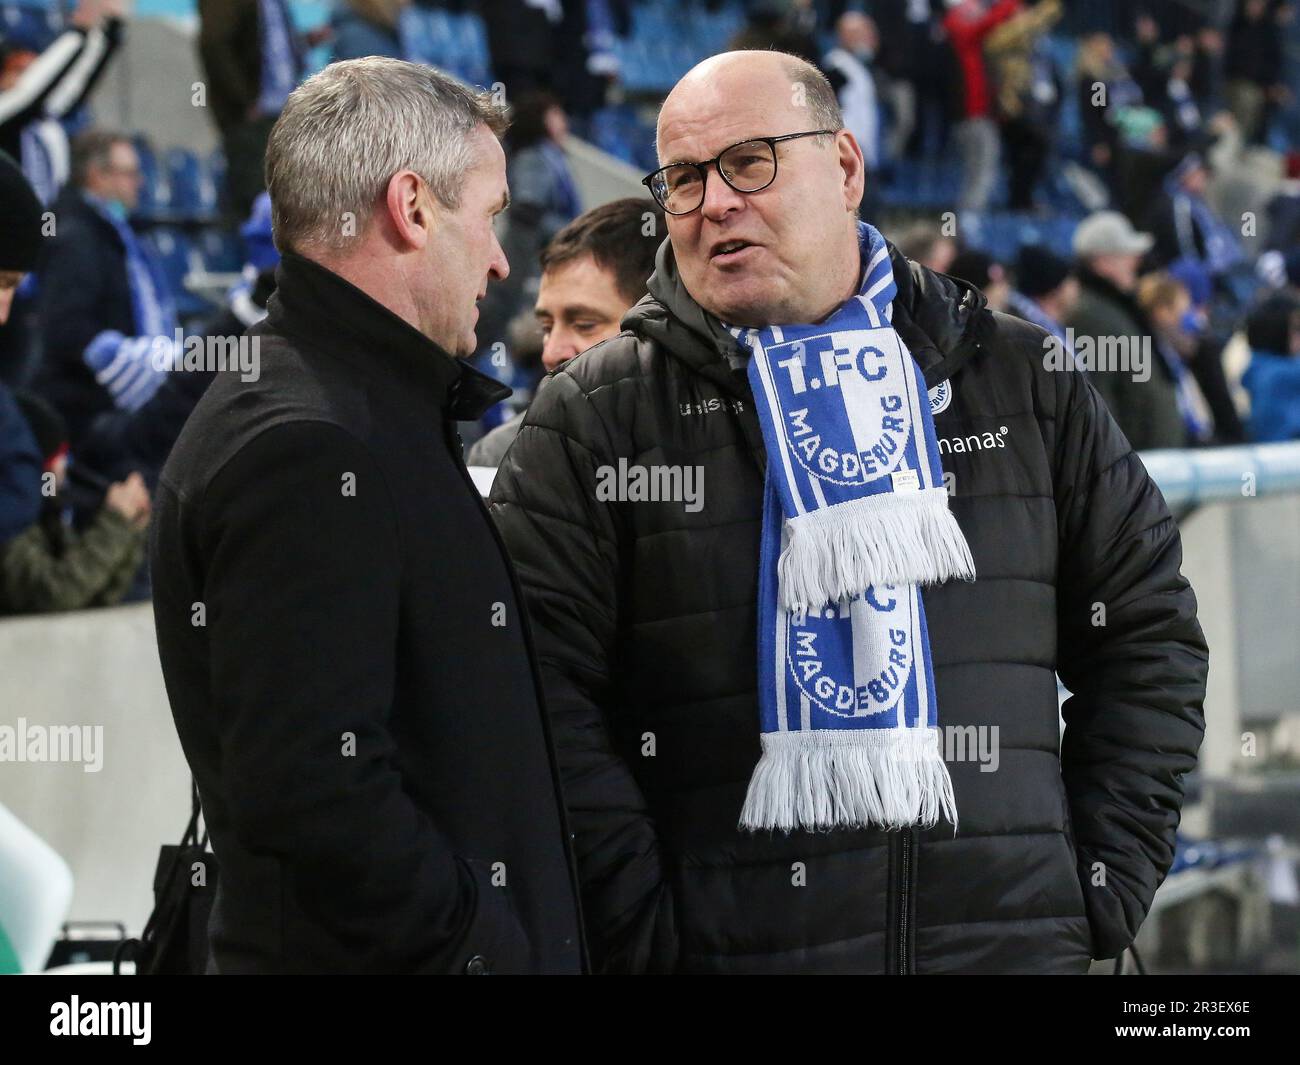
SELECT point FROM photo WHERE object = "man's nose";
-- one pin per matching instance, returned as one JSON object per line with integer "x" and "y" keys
{"x": 500, "y": 268}
{"x": 719, "y": 198}
{"x": 560, "y": 347}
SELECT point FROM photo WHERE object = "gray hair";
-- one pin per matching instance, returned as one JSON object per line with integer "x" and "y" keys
{"x": 344, "y": 133}
{"x": 823, "y": 104}
{"x": 92, "y": 149}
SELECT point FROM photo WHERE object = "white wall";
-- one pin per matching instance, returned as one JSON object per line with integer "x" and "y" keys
{"x": 96, "y": 668}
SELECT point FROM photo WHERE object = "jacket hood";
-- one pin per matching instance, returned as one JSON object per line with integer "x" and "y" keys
{"x": 941, "y": 319}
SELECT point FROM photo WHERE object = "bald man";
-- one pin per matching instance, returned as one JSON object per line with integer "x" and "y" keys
{"x": 633, "y": 503}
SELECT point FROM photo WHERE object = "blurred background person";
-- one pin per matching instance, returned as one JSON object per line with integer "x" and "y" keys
{"x": 1167, "y": 305}
{"x": 252, "y": 55}
{"x": 366, "y": 27}
{"x": 543, "y": 199}
{"x": 1045, "y": 293}
{"x": 926, "y": 243}
{"x": 968, "y": 25}
{"x": 1027, "y": 96}
{"x": 50, "y": 565}
{"x": 849, "y": 68}
{"x": 1104, "y": 89}
{"x": 985, "y": 273}
{"x": 1186, "y": 226}
{"x": 121, "y": 440}
{"x": 1138, "y": 389}
{"x": 593, "y": 270}
{"x": 40, "y": 87}
{"x": 20, "y": 460}
{"x": 1256, "y": 78}
{"x": 105, "y": 302}
{"x": 1273, "y": 376}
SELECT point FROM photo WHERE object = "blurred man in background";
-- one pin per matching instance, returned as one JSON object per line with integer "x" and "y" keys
{"x": 252, "y": 57}
{"x": 1107, "y": 318}
{"x": 594, "y": 269}
{"x": 105, "y": 303}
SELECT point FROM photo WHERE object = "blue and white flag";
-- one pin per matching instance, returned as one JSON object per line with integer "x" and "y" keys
{"x": 855, "y": 518}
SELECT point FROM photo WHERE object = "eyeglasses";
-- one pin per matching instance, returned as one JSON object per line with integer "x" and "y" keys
{"x": 749, "y": 166}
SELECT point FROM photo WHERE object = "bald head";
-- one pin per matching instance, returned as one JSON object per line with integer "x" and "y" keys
{"x": 786, "y": 253}
{"x": 785, "y": 81}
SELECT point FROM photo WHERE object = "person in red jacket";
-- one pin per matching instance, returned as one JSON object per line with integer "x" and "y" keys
{"x": 967, "y": 24}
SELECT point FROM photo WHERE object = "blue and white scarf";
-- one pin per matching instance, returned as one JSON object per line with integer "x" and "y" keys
{"x": 855, "y": 518}
{"x": 132, "y": 368}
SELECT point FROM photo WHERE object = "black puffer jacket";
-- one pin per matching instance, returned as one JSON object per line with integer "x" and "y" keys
{"x": 645, "y": 614}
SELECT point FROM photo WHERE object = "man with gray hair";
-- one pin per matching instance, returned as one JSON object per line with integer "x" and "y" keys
{"x": 791, "y": 741}
{"x": 345, "y": 650}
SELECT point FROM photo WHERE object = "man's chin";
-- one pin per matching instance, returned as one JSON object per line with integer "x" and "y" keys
{"x": 752, "y": 311}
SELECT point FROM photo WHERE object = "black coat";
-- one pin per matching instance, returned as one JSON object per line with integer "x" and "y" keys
{"x": 84, "y": 290}
{"x": 645, "y": 618}
{"x": 357, "y": 701}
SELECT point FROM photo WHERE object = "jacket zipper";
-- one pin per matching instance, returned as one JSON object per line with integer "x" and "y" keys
{"x": 456, "y": 445}
{"x": 904, "y": 898}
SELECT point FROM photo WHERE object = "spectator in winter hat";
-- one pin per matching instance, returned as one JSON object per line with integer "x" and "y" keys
{"x": 1046, "y": 291}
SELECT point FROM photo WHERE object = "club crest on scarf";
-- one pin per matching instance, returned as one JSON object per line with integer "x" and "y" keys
{"x": 866, "y": 436}
{"x": 885, "y": 621}
{"x": 855, "y": 520}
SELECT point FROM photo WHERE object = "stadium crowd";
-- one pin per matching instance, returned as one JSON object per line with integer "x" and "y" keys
{"x": 1161, "y": 135}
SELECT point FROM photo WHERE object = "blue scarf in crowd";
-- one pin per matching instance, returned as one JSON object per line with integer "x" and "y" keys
{"x": 855, "y": 518}
{"x": 132, "y": 368}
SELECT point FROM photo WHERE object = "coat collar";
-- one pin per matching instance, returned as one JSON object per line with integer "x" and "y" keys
{"x": 336, "y": 317}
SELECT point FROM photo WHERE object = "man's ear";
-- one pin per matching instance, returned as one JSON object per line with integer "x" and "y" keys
{"x": 854, "y": 168}
{"x": 411, "y": 208}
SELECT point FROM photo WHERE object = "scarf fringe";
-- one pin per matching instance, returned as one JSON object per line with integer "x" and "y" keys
{"x": 839, "y": 552}
{"x": 889, "y": 778}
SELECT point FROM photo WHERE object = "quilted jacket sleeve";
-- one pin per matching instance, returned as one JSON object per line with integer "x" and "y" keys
{"x": 565, "y": 546}
{"x": 1134, "y": 657}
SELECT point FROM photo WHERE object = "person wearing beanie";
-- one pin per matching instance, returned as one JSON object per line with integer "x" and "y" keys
{"x": 20, "y": 231}
{"x": 50, "y": 566}
{"x": 1045, "y": 293}
{"x": 20, "y": 462}
{"x": 1273, "y": 377}
{"x": 985, "y": 273}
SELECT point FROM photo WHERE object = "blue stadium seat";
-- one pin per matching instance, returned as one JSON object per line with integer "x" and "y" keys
{"x": 155, "y": 192}
{"x": 178, "y": 259}
{"x": 221, "y": 251}
{"x": 184, "y": 179}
